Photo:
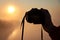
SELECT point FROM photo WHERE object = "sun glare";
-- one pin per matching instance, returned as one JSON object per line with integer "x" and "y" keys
{"x": 11, "y": 9}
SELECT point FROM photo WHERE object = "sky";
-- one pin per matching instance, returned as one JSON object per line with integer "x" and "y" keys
{"x": 10, "y": 23}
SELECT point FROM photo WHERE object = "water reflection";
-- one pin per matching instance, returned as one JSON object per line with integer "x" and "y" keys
{"x": 9, "y": 30}
{"x": 14, "y": 35}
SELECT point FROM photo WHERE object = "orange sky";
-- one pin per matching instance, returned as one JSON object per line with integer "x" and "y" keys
{"x": 22, "y": 6}
{"x": 10, "y": 23}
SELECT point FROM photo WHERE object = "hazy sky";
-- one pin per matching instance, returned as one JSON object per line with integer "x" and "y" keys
{"x": 24, "y": 5}
{"x": 32, "y": 32}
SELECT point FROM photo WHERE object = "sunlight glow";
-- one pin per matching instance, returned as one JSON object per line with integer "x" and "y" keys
{"x": 11, "y": 9}
{"x": 15, "y": 33}
{"x": 10, "y": 12}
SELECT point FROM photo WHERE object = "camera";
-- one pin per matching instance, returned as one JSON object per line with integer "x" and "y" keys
{"x": 35, "y": 16}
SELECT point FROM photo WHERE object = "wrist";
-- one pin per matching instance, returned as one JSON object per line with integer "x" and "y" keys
{"x": 48, "y": 27}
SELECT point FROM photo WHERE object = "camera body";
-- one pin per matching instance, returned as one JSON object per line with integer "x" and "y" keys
{"x": 35, "y": 16}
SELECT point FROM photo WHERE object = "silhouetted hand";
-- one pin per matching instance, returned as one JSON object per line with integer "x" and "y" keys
{"x": 54, "y": 32}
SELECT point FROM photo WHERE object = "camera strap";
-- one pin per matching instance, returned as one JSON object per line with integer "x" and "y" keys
{"x": 23, "y": 21}
{"x": 41, "y": 33}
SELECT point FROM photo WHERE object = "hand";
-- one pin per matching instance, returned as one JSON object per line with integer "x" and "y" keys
{"x": 47, "y": 22}
{"x": 53, "y": 31}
